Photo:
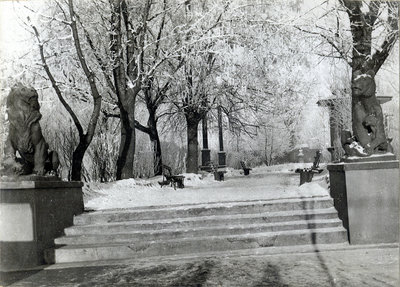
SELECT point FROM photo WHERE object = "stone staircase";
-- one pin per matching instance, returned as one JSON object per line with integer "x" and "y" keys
{"x": 198, "y": 228}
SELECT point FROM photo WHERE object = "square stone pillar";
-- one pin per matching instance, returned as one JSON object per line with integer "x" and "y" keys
{"x": 33, "y": 214}
{"x": 205, "y": 160}
{"x": 366, "y": 196}
{"x": 221, "y": 159}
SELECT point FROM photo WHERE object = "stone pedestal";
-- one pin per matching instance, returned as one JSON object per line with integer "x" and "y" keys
{"x": 300, "y": 156}
{"x": 205, "y": 160}
{"x": 305, "y": 176}
{"x": 33, "y": 213}
{"x": 221, "y": 159}
{"x": 366, "y": 195}
{"x": 219, "y": 175}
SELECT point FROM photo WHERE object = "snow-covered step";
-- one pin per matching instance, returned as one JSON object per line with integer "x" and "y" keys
{"x": 140, "y": 249}
{"x": 207, "y": 209}
{"x": 200, "y": 221}
{"x": 198, "y": 228}
{"x": 166, "y": 234}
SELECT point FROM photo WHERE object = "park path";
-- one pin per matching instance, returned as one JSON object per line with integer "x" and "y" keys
{"x": 259, "y": 185}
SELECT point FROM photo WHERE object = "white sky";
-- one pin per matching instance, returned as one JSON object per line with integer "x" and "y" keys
{"x": 12, "y": 33}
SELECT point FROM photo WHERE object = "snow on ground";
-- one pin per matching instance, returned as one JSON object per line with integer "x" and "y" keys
{"x": 367, "y": 267}
{"x": 271, "y": 182}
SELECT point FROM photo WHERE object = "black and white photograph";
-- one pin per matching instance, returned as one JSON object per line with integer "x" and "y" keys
{"x": 183, "y": 143}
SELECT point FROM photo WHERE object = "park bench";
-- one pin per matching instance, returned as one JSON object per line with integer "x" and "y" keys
{"x": 246, "y": 169}
{"x": 306, "y": 174}
{"x": 218, "y": 173}
{"x": 171, "y": 179}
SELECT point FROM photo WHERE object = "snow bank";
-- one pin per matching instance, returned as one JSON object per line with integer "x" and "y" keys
{"x": 311, "y": 189}
{"x": 370, "y": 156}
{"x": 193, "y": 179}
{"x": 287, "y": 168}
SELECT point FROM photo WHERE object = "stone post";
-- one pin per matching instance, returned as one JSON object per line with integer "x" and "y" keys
{"x": 221, "y": 153}
{"x": 300, "y": 156}
{"x": 205, "y": 152}
{"x": 34, "y": 211}
{"x": 366, "y": 196}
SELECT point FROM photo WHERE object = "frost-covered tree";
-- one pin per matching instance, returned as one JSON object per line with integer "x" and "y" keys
{"x": 156, "y": 87}
{"x": 127, "y": 41}
{"x": 360, "y": 33}
{"x": 85, "y": 137}
{"x": 193, "y": 91}
{"x": 266, "y": 77}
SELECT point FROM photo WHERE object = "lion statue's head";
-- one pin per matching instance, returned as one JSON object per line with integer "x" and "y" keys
{"x": 363, "y": 84}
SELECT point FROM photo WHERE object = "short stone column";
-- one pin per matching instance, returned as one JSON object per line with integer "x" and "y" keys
{"x": 366, "y": 196}
{"x": 33, "y": 214}
{"x": 221, "y": 153}
{"x": 205, "y": 152}
{"x": 222, "y": 159}
{"x": 300, "y": 156}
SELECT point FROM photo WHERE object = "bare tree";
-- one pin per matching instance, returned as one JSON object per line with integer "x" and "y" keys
{"x": 363, "y": 22}
{"x": 365, "y": 44}
{"x": 156, "y": 87}
{"x": 139, "y": 48}
{"x": 192, "y": 93}
{"x": 126, "y": 45}
{"x": 267, "y": 79}
{"x": 85, "y": 138}
{"x": 194, "y": 105}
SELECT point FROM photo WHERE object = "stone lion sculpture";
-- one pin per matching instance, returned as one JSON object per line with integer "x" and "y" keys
{"x": 369, "y": 132}
{"x": 25, "y": 136}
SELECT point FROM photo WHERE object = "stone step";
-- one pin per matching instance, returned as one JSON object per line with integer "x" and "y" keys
{"x": 201, "y": 221}
{"x": 166, "y": 234}
{"x": 208, "y": 209}
{"x": 140, "y": 249}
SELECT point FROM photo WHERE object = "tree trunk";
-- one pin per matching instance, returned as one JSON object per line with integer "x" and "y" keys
{"x": 266, "y": 149}
{"x": 77, "y": 160}
{"x": 361, "y": 33}
{"x": 362, "y": 25}
{"x": 124, "y": 68}
{"x": 220, "y": 132}
{"x": 271, "y": 151}
{"x": 151, "y": 130}
{"x": 126, "y": 154}
{"x": 192, "y": 157}
{"x": 155, "y": 141}
{"x": 292, "y": 139}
